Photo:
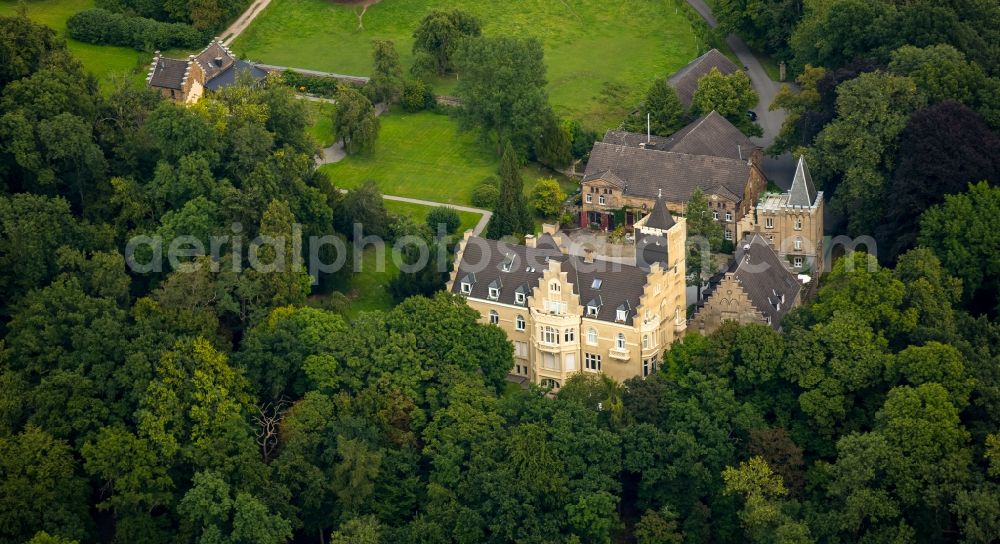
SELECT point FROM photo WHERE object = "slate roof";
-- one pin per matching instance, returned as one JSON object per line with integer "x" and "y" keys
{"x": 803, "y": 191}
{"x": 685, "y": 80}
{"x": 765, "y": 279}
{"x": 215, "y": 59}
{"x": 620, "y": 284}
{"x": 711, "y": 134}
{"x": 168, "y": 73}
{"x": 659, "y": 217}
{"x": 228, "y": 77}
{"x": 646, "y": 171}
{"x": 633, "y": 139}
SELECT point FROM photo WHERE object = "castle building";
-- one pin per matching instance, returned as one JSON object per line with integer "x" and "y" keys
{"x": 792, "y": 222}
{"x": 185, "y": 80}
{"x": 567, "y": 314}
{"x": 627, "y": 172}
{"x": 756, "y": 288}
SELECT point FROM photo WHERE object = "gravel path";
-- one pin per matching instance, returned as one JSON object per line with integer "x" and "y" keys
{"x": 243, "y": 21}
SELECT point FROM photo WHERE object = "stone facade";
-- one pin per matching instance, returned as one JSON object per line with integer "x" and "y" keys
{"x": 577, "y": 314}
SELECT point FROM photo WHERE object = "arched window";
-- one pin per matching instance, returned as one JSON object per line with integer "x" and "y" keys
{"x": 621, "y": 341}
{"x": 550, "y": 383}
{"x": 645, "y": 341}
{"x": 494, "y": 317}
{"x": 592, "y": 336}
{"x": 519, "y": 322}
{"x": 550, "y": 335}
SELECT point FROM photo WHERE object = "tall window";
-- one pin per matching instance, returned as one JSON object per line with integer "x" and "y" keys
{"x": 521, "y": 350}
{"x": 550, "y": 335}
{"x": 729, "y": 216}
{"x": 519, "y": 322}
{"x": 645, "y": 368}
{"x": 550, "y": 361}
{"x": 798, "y": 223}
{"x": 554, "y": 287}
{"x": 601, "y": 200}
{"x": 768, "y": 222}
{"x": 798, "y": 243}
{"x": 590, "y": 198}
{"x": 715, "y": 215}
{"x": 570, "y": 335}
{"x": 591, "y": 361}
{"x": 645, "y": 341}
{"x": 620, "y": 342}
{"x": 592, "y": 336}
{"x": 494, "y": 317}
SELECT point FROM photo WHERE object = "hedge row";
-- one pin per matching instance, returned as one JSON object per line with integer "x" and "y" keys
{"x": 100, "y": 26}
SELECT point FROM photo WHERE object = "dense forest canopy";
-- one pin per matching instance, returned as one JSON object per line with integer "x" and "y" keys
{"x": 235, "y": 406}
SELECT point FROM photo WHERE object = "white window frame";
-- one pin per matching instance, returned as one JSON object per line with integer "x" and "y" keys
{"x": 620, "y": 341}
{"x": 645, "y": 341}
{"x": 550, "y": 335}
{"x": 590, "y": 199}
{"x": 466, "y": 288}
{"x": 621, "y": 315}
{"x": 569, "y": 335}
{"x": 494, "y": 293}
{"x": 592, "y": 361}
{"x": 715, "y": 215}
{"x": 601, "y": 200}
{"x": 798, "y": 243}
{"x": 592, "y": 336}
{"x": 729, "y": 217}
{"x": 591, "y": 311}
{"x": 797, "y": 262}
{"x": 519, "y": 298}
{"x": 728, "y": 235}
{"x": 494, "y": 317}
{"x": 519, "y": 322}
{"x": 768, "y": 222}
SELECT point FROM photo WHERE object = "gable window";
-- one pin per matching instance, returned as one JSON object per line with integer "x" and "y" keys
{"x": 591, "y": 361}
{"x": 519, "y": 298}
{"x": 590, "y": 198}
{"x": 797, "y": 261}
{"x": 519, "y": 323}
{"x": 798, "y": 243}
{"x": 554, "y": 287}
{"x": 620, "y": 341}
{"x": 592, "y": 336}
{"x": 494, "y": 317}
{"x": 466, "y": 288}
{"x": 570, "y": 335}
{"x": 768, "y": 222}
{"x": 555, "y": 307}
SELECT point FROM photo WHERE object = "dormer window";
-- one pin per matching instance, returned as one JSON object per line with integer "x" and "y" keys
{"x": 508, "y": 262}
{"x": 519, "y": 298}
{"x": 466, "y": 288}
{"x": 591, "y": 311}
{"x": 621, "y": 315}
{"x": 494, "y": 293}
{"x": 467, "y": 282}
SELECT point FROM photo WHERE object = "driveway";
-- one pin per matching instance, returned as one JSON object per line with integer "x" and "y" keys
{"x": 243, "y": 21}
{"x": 777, "y": 169}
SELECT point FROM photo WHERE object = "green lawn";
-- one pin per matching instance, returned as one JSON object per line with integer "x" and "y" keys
{"x": 321, "y": 122}
{"x": 418, "y": 213}
{"x": 423, "y": 155}
{"x": 104, "y": 61}
{"x": 601, "y": 55}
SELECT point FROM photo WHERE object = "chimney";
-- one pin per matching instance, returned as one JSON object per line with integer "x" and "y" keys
{"x": 550, "y": 228}
{"x": 588, "y": 255}
{"x": 529, "y": 240}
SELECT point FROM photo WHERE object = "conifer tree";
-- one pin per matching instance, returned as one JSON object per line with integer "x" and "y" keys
{"x": 510, "y": 215}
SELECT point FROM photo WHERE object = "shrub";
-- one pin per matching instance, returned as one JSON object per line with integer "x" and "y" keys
{"x": 547, "y": 197}
{"x": 99, "y": 26}
{"x": 486, "y": 194}
{"x": 443, "y": 215}
{"x": 323, "y": 86}
{"x": 417, "y": 96}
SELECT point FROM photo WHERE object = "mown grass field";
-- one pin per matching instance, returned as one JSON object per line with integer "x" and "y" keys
{"x": 104, "y": 61}
{"x": 423, "y": 155}
{"x": 418, "y": 212}
{"x": 601, "y": 55}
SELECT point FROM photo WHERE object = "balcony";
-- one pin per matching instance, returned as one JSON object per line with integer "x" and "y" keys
{"x": 620, "y": 354}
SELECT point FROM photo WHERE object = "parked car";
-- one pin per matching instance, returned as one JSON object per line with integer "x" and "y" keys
{"x": 752, "y": 115}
